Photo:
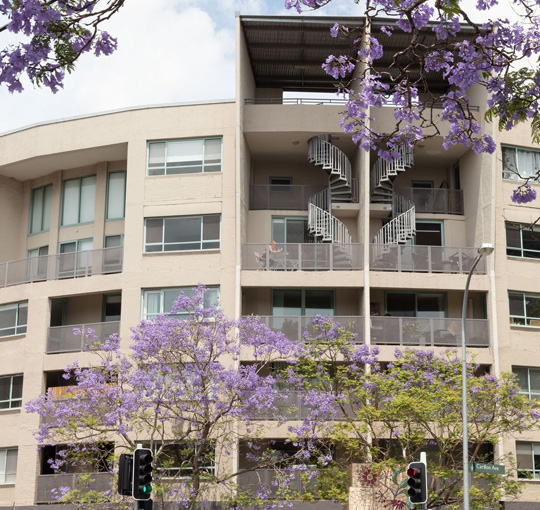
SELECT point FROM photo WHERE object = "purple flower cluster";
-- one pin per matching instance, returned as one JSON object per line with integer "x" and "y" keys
{"x": 523, "y": 194}
{"x": 55, "y": 35}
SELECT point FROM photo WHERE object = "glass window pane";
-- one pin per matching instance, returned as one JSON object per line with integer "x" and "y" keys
{"x": 68, "y": 247}
{"x": 113, "y": 241}
{"x": 212, "y": 151}
{"x": 70, "y": 213}
{"x": 116, "y": 195}
{"x": 534, "y": 379}
{"x": 3, "y": 458}
{"x": 278, "y": 230}
{"x": 516, "y": 304}
{"x": 84, "y": 244}
{"x": 185, "y": 151}
{"x": 37, "y": 210}
{"x": 296, "y": 230}
{"x": 11, "y": 465}
{"x": 532, "y": 305}
{"x": 170, "y": 296}
{"x": 401, "y": 304}
{"x": 5, "y": 388}
{"x": 88, "y": 199}
{"x": 8, "y": 317}
{"x": 47, "y": 204}
{"x": 524, "y": 456}
{"x": 16, "y": 390}
{"x": 522, "y": 376}
{"x": 183, "y": 230}
{"x": 211, "y": 227}
{"x": 156, "y": 154}
{"x": 430, "y": 305}
{"x": 154, "y": 230}
{"x": 513, "y": 235}
{"x": 287, "y": 302}
{"x": 319, "y": 302}
{"x": 23, "y": 315}
{"x": 531, "y": 240}
{"x": 152, "y": 304}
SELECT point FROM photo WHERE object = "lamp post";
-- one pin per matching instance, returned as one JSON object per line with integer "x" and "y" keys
{"x": 484, "y": 250}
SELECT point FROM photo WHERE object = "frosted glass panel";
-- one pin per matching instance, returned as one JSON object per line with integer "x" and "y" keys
{"x": 116, "y": 196}
{"x": 88, "y": 199}
{"x": 70, "y": 214}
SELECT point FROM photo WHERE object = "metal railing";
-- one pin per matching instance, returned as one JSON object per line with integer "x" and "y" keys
{"x": 296, "y": 100}
{"x": 434, "y": 200}
{"x": 401, "y": 227}
{"x": 62, "y": 265}
{"x": 282, "y": 196}
{"x": 424, "y": 259}
{"x": 63, "y": 339}
{"x": 303, "y": 257}
{"x": 294, "y": 327}
{"x": 428, "y": 332}
{"x": 254, "y": 479}
{"x": 47, "y": 485}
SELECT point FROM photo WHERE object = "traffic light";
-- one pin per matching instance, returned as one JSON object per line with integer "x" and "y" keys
{"x": 125, "y": 475}
{"x": 142, "y": 474}
{"x": 417, "y": 482}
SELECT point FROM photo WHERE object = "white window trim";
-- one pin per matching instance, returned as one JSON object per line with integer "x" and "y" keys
{"x": 16, "y": 327}
{"x": 11, "y": 400}
{"x": 3, "y": 469}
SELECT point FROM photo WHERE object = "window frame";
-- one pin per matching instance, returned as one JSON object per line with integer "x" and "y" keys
{"x": 203, "y": 165}
{"x": 530, "y": 394}
{"x": 525, "y": 318}
{"x": 161, "y": 291}
{"x": 119, "y": 218}
{"x": 331, "y": 294}
{"x": 521, "y": 249}
{"x": 201, "y": 240}
{"x": 19, "y": 329}
{"x": 286, "y": 219}
{"x": 11, "y": 400}
{"x": 43, "y": 206}
{"x": 3, "y": 469}
{"x": 509, "y": 175}
{"x": 80, "y": 179}
{"x": 535, "y": 471}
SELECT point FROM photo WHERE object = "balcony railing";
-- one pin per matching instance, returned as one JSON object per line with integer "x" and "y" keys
{"x": 293, "y": 327}
{"x": 296, "y": 100}
{"x": 282, "y": 196}
{"x": 428, "y": 332}
{"x": 434, "y": 200}
{"x": 303, "y": 257}
{"x": 63, "y": 339}
{"x": 254, "y": 479}
{"x": 47, "y": 484}
{"x": 424, "y": 259}
{"x": 62, "y": 265}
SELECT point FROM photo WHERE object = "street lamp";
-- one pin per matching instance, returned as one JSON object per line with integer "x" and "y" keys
{"x": 484, "y": 250}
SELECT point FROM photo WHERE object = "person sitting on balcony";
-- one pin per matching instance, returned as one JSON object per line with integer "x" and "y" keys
{"x": 273, "y": 248}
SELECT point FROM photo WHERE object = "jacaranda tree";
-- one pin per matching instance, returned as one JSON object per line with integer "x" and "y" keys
{"x": 181, "y": 391}
{"x": 53, "y": 35}
{"x": 390, "y": 412}
{"x": 438, "y": 39}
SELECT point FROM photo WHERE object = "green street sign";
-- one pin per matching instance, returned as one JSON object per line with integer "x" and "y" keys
{"x": 482, "y": 467}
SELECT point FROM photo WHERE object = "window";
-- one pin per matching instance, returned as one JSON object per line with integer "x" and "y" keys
{"x": 75, "y": 258}
{"x": 13, "y": 318}
{"x": 280, "y": 184}
{"x": 113, "y": 254}
{"x": 116, "y": 195}
{"x": 175, "y": 460}
{"x": 308, "y": 303}
{"x": 290, "y": 229}
{"x": 190, "y": 156}
{"x": 8, "y": 465}
{"x": 182, "y": 233}
{"x": 40, "y": 209}
{"x": 428, "y": 233}
{"x": 529, "y": 381}
{"x": 11, "y": 391}
{"x": 528, "y": 460}
{"x": 521, "y": 241}
{"x": 160, "y": 301}
{"x": 37, "y": 263}
{"x": 524, "y": 308}
{"x": 416, "y": 304}
{"x": 112, "y": 307}
{"x": 79, "y": 200}
{"x": 525, "y": 162}
{"x": 97, "y": 459}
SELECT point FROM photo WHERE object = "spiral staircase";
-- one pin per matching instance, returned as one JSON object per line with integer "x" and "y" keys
{"x": 322, "y": 225}
{"x": 402, "y": 225}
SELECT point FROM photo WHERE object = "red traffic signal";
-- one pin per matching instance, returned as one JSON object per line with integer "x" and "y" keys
{"x": 417, "y": 482}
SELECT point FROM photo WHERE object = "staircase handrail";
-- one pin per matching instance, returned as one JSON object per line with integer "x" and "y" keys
{"x": 401, "y": 227}
{"x": 321, "y": 199}
{"x": 328, "y": 226}
{"x": 330, "y": 157}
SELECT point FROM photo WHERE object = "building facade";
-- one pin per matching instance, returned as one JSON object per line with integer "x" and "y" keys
{"x": 106, "y": 218}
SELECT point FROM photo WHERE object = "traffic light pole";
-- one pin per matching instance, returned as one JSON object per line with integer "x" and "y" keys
{"x": 143, "y": 505}
{"x": 423, "y": 458}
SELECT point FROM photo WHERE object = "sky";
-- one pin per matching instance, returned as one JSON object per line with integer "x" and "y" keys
{"x": 169, "y": 51}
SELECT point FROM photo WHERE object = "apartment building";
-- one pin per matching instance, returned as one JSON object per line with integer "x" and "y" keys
{"x": 107, "y": 217}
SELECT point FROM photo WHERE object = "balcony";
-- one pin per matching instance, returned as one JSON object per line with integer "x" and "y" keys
{"x": 62, "y": 265}
{"x": 434, "y": 200}
{"x": 428, "y": 332}
{"x": 424, "y": 259}
{"x": 281, "y": 196}
{"x": 303, "y": 257}
{"x": 293, "y": 327}
{"x": 62, "y": 339}
{"x": 47, "y": 484}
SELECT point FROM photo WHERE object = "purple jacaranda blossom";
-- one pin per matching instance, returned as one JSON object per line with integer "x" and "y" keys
{"x": 523, "y": 194}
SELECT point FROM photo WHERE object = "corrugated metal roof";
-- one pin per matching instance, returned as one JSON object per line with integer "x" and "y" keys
{"x": 287, "y": 52}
